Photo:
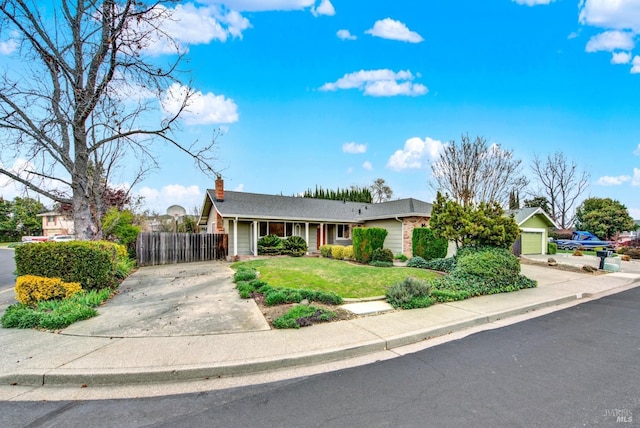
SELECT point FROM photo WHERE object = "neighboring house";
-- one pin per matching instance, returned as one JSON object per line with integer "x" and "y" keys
{"x": 54, "y": 223}
{"x": 626, "y": 237}
{"x": 247, "y": 217}
{"x": 534, "y": 230}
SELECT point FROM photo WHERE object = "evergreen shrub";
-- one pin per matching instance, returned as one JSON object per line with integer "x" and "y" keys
{"x": 426, "y": 245}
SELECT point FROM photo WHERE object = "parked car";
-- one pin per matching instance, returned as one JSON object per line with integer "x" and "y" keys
{"x": 584, "y": 241}
{"x": 62, "y": 238}
{"x": 28, "y": 239}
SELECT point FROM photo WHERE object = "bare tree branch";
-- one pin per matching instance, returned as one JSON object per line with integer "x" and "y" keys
{"x": 562, "y": 183}
{"x": 79, "y": 103}
{"x": 472, "y": 172}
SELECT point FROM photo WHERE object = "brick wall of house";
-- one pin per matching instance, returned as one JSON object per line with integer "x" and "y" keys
{"x": 408, "y": 224}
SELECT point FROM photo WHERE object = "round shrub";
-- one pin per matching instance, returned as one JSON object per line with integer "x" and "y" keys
{"x": 31, "y": 289}
{"x": 410, "y": 293}
{"x": 337, "y": 252}
{"x": 382, "y": 255}
{"x": 347, "y": 254}
{"x": 417, "y": 262}
{"x": 489, "y": 263}
{"x": 294, "y": 246}
{"x": 270, "y": 245}
{"x": 325, "y": 251}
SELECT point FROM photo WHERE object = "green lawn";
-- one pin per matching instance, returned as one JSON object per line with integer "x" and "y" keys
{"x": 343, "y": 278}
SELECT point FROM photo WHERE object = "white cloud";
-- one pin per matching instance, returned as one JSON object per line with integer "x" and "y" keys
{"x": 8, "y": 47}
{"x": 159, "y": 200}
{"x": 367, "y": 165}
{"x": 635, "y": 181}
{"x": 414, "y": 152}
{"x": 610, "y": 41}
{"x": 239, "y": 188}
{"x": 202, "y": 109}
{"x": 378, "y": 83}
{"x": 635, "y": 69}
{"x": 532, "y": 2}
{"x": 613, "y": 181}
{"x": 345, "y": 35}
{"x": 637, "y": 151}
{"x": 192, "y": 25}
{"x": 615, "y": 14}
{"x": 324, "y": 8}
{"x": 634, "y": 212}
{"x": 354, "y": 148}
{"x": 10, "y": 188}
{"x": 620, "y": 58}
{"x": 394, "y": 30}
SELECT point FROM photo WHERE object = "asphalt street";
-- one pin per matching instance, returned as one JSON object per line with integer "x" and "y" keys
{"x": 576, "y": 367}
{"x": 7, "y": 278}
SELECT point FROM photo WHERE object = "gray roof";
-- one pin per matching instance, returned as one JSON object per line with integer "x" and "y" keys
{"x": 260, "y": 206}
{"x": 523, "y": 214}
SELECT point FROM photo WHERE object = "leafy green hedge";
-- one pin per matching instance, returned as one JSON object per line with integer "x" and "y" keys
{"x": 426, "y": 245}
{"x": 552, "y": 248}
{"x": 94, "y": 264}
{"x": 485, "y": 270}
{"x": 366, "y": 240}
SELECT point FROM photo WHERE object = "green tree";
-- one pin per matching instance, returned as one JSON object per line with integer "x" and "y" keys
{"x": 538, "y": 202}
{"x": 5, "y": 214}
{"x": 353, "y": 194}
{"x": 603, "y": 217}
{"x": 514, "y": 200}
{"x": 24, "y": 218}
{"x": 483, "y": 225}
{"x": 118, "y": 226}
{"x": 188, "y": 224}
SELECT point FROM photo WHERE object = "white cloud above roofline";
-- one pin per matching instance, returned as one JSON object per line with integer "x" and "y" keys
{"x": 378, "y": 83}
{"x": 394, "y": 30}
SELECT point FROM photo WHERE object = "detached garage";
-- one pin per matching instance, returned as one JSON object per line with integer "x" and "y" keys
{"x": 534, "y": 225}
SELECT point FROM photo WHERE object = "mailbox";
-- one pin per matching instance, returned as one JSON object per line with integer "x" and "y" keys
{"x": 603, "y": 254}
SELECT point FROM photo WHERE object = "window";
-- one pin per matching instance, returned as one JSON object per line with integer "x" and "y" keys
{"x": 343, "y": 231}
{"x": 280, "y": 229}
{"x": 51, "y": 220}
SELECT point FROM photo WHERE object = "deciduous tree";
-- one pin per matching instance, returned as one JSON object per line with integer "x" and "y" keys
{"x": 79, "y": 95}
{"x": 474, "y": 171}
{"x": 562, "y": 182}
{"x": 381, "y": 191}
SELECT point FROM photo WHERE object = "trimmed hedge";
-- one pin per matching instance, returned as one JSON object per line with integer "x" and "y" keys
{"x": 91, "y": 263}
{"x": 366, "y": 240}
{"x": 325, "y": 251}
{"x": 337, "y": 252}
{"x": 426, "y": 245}
{"x": 552, "y": 248}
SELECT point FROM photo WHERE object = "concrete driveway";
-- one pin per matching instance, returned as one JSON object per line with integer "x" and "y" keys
{"x": 175, "y": 300}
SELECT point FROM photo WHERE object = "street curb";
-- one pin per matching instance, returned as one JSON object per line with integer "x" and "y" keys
{"x": 67, "y": 377}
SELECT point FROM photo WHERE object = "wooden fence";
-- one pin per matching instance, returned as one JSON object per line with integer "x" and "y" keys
{"x": 167, "y": 248}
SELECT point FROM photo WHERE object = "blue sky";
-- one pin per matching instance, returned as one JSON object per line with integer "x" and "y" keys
{"x": 341, "y": 92}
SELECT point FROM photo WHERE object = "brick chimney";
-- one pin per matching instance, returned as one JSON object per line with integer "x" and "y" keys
{"x": 219, "y": 189}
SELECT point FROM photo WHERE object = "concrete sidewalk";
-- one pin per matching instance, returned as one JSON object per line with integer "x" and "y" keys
{"x": 34, "y": 358}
